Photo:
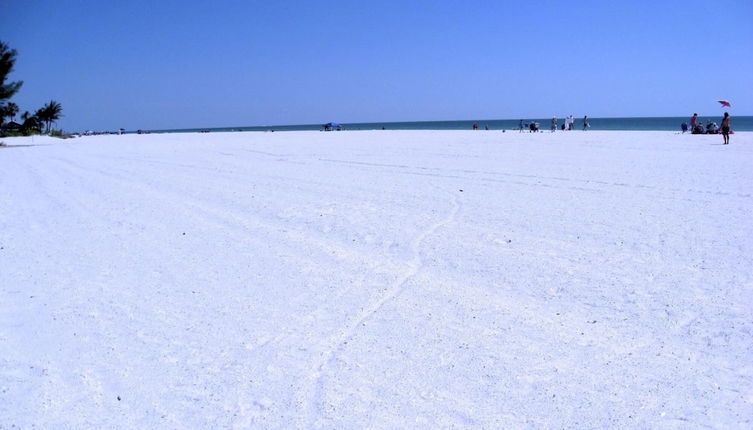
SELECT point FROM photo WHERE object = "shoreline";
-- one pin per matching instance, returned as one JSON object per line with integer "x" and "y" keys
{"x": 742, "y": 123}
{"x": 571, "y": 135}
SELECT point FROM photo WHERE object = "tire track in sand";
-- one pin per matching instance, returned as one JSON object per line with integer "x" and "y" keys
{"x": 312, "y": 387}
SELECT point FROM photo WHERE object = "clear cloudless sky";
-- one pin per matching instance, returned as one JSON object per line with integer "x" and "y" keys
{"x": 161, "y": 64}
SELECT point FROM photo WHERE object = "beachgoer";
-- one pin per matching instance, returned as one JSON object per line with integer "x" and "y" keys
{"x": 486, "y": 126}
{"x": 684, "y": 127}
{"x": 520, "y": 126}
{"x": 571, "y": 122}
{"x": 711, "y": 127}
{"x": 698, "y": 128}
{"x": 585, "y": 123}
{"x": 725, "y": 127}
{"x": 554, "y": 124}
{"x": 475, "y": 126}
{"x": 693, "y": 121}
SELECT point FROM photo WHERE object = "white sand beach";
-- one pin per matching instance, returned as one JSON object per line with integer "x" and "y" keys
{"x": 377, "y": 279}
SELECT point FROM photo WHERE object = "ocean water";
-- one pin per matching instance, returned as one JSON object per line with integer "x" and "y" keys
{"x": 739, "y": 123}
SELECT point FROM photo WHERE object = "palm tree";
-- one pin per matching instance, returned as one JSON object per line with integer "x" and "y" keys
{"x": 39, "y": 115}
{"x": 50, "y": 113}
{"x": 30, "y": 122}
{"x": 7, "y": 59}
{"x": 11, "y": 109}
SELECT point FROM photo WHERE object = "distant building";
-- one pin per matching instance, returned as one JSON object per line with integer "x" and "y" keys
{"x": 11, "y": 126}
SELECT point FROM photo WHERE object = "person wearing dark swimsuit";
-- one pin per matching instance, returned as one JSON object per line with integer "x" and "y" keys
{"x": 725, "y": 128}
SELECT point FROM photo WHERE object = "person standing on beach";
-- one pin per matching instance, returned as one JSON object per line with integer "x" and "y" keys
{"x": 554, "y": 124}
{"x": 520, "y": 125}
{"x": 693, "y": 121}
{"x": 585, "y": 123}
{"x": 725, "y": 128}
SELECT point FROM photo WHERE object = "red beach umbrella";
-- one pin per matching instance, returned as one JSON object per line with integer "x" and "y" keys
{"x": 725, "y": 103}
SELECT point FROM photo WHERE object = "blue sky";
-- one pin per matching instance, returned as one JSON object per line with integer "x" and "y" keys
{"x": 179, "y": 64}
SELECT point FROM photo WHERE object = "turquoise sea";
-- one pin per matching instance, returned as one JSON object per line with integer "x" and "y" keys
{"x": 739, "y": 123}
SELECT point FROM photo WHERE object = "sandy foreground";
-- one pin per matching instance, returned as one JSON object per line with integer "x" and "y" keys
{"x": 377, "y": 279}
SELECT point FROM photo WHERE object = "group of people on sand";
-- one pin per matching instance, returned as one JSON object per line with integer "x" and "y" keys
{"x": 697, "y": 127}
{"x": 568, "y": 124}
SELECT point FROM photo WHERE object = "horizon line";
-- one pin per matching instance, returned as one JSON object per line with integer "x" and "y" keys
{"x": 428, "y": 121}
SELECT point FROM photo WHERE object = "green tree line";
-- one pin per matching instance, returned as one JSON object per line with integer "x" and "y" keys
{"x": 40, "y": 121}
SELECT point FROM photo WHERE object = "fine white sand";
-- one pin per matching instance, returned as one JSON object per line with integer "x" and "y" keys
{"x": 380, "y": 279}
